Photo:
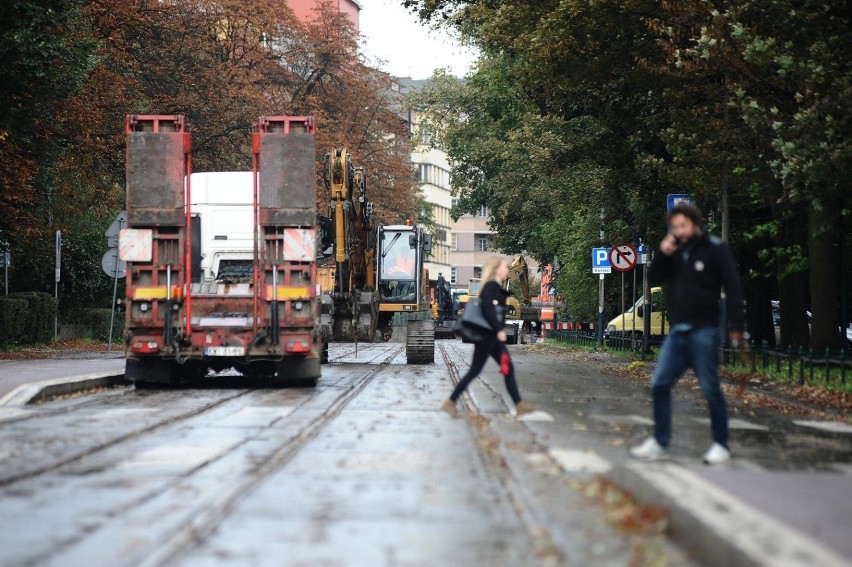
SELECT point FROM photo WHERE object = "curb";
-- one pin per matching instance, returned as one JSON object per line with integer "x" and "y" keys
{"x": 37, "y": 391}
{"x": 717, "y": 528}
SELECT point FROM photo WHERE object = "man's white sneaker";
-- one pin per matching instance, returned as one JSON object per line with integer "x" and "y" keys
{"x": 717, "y": 455}
{"x": 649, "y": 450}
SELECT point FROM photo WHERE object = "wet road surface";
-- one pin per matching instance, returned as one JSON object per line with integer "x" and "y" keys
{"x": 362, "y": 470}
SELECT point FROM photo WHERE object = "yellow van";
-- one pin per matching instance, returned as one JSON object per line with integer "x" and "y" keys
{"x": 633, "y": 320}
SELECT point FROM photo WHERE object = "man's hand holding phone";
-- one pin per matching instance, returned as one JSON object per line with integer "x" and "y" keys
{"x": 668, "y": 245}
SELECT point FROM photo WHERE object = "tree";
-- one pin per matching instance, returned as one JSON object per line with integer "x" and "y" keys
{"x": 79, "y": 67}
{"x": 740, "y": 104}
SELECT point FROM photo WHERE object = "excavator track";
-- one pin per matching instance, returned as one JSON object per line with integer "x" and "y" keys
{"x": 420, "y": 342}
{"x": 444, "y": 330}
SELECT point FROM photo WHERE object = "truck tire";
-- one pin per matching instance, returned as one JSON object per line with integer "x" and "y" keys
{"x": 258, "y": 370}
{"x": 150, "y": 372}
{"x": 298, "y": 372}
{"x": 324, "y": 353}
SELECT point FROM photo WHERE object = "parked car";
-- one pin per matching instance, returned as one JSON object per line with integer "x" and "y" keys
{"x": 776, "y": 321}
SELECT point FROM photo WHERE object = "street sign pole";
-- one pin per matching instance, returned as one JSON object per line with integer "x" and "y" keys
{"x": 646, "y": 309}
{"x": 114, "y": 289}
{"x": 601, "y": 286}
{"x": 56, "y": 283}
{"x": 600, "y": 309}
{"x": 633, "y": 311}
{"x": 622, "y": 295}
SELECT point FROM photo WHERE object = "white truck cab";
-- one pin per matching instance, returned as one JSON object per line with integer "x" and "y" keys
{"x": 222, "y": 203}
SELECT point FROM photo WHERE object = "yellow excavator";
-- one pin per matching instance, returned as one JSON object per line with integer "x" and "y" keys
{"x": 512, "y": 326}
{"x": 346, "y": 273}
{"x": 370, "y": 273}
{"x": 522, "y": 312}
{"x": 403, "y": 286}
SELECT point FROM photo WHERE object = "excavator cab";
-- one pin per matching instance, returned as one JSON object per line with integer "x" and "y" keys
{"x": 403, "y": 287}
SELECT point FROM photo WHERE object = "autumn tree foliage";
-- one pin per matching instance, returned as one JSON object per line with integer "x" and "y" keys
{"x": 222, "y": 63}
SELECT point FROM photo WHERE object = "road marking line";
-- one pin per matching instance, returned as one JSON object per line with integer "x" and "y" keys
{"x": 734, "y": 423}
{"x": 763, "y": 539}
{"x": 637, "y": 419}
{"x": 573, "y": 460}
{"x": 830, "y": 426}
{"x": 537, "y": 415}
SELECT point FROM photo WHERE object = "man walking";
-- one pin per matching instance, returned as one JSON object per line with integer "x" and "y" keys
{"x": 695, "y": 266}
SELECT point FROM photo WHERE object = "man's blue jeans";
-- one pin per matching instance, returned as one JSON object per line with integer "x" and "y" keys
{"x": 697, "y": 348}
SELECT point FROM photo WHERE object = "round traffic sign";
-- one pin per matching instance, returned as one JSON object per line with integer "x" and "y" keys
{"x": 622, "y": 258}
{"x": 112, "y": 266}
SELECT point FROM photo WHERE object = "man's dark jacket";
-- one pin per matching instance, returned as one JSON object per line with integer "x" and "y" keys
{"x": 695, "y": 275}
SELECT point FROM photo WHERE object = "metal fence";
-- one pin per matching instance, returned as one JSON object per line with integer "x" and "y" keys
{"x": 802, "y": 365}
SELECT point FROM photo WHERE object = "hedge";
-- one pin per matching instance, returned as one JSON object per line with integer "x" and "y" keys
{"x": 97, "y": 323}
{"x": 13, "y": 320}
{"x": 40, "y": 317}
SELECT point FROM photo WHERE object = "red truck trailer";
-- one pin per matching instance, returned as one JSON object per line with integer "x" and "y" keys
{"x": 260, "y": 312}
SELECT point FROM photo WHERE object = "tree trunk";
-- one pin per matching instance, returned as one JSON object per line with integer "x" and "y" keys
{"x": 758, "y": 293}
{"x": 793, "y": 286}
{"x": 824, "y": 280}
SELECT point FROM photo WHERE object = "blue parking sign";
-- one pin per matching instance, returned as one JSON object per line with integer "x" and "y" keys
{"x": 675, "y": 199}
{"x": 600, "y": 261}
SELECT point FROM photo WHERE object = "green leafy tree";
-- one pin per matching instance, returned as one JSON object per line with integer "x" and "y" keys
{"x": 744, "y": 105}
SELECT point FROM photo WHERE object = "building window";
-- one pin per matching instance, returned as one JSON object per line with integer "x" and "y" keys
{"x": 455, "y": 241}
{"x": 482, "y": 212}
{"x": 453, "y": 275}
{"x": 477, "y": 272}
{"x": 482, "y": 241}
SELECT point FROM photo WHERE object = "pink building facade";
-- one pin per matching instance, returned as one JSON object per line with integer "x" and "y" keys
{"x": 304, "y": 9}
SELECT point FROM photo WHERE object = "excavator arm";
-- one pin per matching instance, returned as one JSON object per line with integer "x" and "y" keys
{"x": 519, "y": 269}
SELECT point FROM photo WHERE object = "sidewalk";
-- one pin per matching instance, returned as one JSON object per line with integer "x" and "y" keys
{"x": 785, "y": 500}
{"x": 17, "y": 375}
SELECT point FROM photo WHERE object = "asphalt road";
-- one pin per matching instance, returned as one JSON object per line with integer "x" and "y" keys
{"x": 364, "y": 470}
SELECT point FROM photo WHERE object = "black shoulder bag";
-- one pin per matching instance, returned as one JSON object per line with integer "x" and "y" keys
{"x": 473, "y": 326}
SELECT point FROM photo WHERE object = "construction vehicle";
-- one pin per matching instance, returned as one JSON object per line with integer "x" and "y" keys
{"x": 442, "y": 308}
{"x": 403, "y": 285}
{"x": 225, "y": 278}
{"x": 372, "y": 272}
{"x": 522, "y": 312}
{"x": 349, "y": 301}
{"x": 511, "y": 327}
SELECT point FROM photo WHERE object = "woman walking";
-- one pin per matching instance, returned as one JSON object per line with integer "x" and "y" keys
{"x": 491, "y": 295}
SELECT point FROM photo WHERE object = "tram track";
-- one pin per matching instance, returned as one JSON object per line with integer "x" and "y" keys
{"x": 492, "y": 452}
{"x": 77, "y": 456}
{"x": 197, "y": 518}
{"x": 206, "y": 521}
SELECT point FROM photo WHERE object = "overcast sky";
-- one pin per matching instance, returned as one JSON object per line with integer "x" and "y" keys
{"x": 408, "y": 48}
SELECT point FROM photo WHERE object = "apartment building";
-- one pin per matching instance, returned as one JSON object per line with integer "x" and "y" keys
{"x": 304, "y": 10}
{"x": 432, "y": 172}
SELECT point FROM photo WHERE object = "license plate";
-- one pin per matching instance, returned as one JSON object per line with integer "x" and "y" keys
{"x": 225, "y": 351}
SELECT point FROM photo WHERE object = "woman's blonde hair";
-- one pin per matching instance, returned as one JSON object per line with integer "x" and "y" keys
{"x": 489, "y": 269}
